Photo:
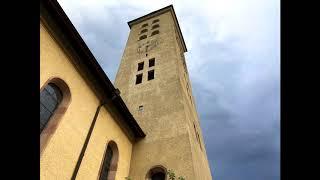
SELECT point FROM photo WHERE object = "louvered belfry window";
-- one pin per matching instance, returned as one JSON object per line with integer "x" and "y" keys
{"x": 50, "y": 98}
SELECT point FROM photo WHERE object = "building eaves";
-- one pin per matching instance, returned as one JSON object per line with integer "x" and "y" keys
{"x": 51, "y": 11}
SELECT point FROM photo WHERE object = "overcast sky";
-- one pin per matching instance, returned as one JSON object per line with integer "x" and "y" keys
{"x": 233, "y": 60}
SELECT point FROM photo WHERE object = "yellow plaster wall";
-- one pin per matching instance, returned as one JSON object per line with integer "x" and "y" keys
{"x": 60, "y": 155}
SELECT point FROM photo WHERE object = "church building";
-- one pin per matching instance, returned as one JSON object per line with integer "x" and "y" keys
{"x": 140, "y": 127}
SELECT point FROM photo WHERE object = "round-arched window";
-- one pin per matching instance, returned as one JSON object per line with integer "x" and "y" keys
{"x": 157, "y": 173}
{"x": 110, "y": 162}
{"x": 50, "y": 98}
{"x": 55, "y": 97}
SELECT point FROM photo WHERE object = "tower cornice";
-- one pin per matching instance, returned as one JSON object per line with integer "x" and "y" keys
{"x": 158, "y": 12}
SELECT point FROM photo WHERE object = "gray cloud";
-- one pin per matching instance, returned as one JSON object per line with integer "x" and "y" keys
{"x": 234, "y": 67}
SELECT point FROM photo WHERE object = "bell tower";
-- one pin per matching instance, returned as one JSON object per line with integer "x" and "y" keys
{"x": 154, "y": 82}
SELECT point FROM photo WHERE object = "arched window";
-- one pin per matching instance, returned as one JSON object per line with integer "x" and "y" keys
{"x": 155, "y": 26}
{"x": 50, "y": 98}
{"x": 144, "y": 25}
{"x": 55, "y": 98}
{"x": 110, "y": 162}
{"x": 143, "y": 31}
{"x": 154, "y": 21}
{"x": 143, "y": 37}
{"x": 157, "y": 173}
{"x": 154, "y": 32}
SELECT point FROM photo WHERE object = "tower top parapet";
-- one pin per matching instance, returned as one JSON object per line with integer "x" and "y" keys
{"x": 157, "y": 13}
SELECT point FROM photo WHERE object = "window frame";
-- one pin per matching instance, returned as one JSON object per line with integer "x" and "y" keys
{"x": 151, "y": 72}
{"x": 114, "y": 160}
{"x": 56, "y": 102}
{"x": 156, "y": 169}
{"x": 59, "y": 112}
{"x": 152, "y": 60}
{"x": 139, "y": 75}
{"x": 140, "y": 66}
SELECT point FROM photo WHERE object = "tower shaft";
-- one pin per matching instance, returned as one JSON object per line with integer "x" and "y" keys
{"x": 154, "y": 83}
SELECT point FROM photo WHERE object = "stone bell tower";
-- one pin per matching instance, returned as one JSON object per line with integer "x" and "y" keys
{"x": 154, "y": 82}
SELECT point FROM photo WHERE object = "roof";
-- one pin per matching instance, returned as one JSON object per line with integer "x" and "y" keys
{"x": 156, "y": 13}
{"x": 55, "y": 18}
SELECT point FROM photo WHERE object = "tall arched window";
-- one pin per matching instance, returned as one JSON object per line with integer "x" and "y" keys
{"x": 143, "y": 37}
{"x": 143, "y": 31}
{"x": 110, "y": 162}
{"x": 55, "y": 97}
{"x": 50, "y": 98}
{"x": 144, "y": 25}
{"x": 154, "y": 32}
{"x": 155, "y": 26}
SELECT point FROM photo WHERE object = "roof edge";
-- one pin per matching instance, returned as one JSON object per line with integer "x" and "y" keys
{"x": 86, "y": 58}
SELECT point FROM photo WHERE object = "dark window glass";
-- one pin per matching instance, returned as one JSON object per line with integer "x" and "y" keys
{"x": 140, "y": 108}
{"x": 144, "y": 25}
{"x": 139, "y": 79}
{"x": 158, "y": 176}
{"x": 155, "y": 32}
{"x": 106, "y": 164}
{"x": 155, "y": 26}
{"x": 151, "y": 75}
{"x": 156, "y": 20}
{"x": 151, "y": 62}
{"x": 143, "y": 37}
{"x": 50, "y": 98}
{"x": 140, "y": 66}
{"x": 143, "y": 31}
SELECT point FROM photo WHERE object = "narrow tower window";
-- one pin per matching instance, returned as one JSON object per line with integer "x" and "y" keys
{"x": 139, "y": 79}
{"x": 155, "y": 32}
{"x": 143, "y": 31}
{"x": 155, "y": 21}
{"x": 141, "y": 108}
{"x": 140, "y": 66}
{"x": 145, "y": 25}
{"x": 150, "y": 75}
{"x": 143, "y": 37}
{"x": 155, "y": 26}
{"x": 151, "y": 62}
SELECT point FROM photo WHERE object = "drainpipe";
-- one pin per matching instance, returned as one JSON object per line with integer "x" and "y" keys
{"x": 116, "y": 94}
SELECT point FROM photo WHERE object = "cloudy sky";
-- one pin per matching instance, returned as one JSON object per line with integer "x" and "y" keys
{"x": 233, "y": 60}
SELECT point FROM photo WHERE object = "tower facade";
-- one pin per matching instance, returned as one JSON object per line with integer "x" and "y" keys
{"x": 154, "y": 82}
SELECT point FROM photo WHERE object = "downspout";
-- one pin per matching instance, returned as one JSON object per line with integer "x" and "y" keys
{"x": 116, "y": 94}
